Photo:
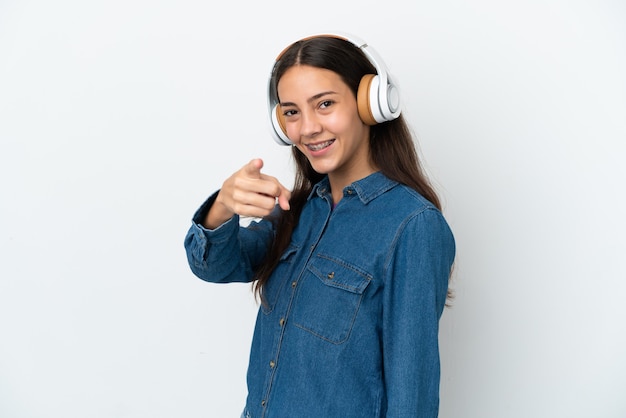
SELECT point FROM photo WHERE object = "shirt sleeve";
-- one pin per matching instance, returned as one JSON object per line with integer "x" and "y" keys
{"x": 229, "y": 253}
{"x": 414, "y": 297}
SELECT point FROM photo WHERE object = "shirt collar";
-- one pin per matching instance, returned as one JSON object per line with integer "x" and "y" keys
{"x": 368, "y": 188}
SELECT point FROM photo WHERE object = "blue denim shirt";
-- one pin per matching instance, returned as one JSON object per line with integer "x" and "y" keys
{"x": 350, "y": 329}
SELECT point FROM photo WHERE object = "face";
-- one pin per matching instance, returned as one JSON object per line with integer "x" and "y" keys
{"x": 322, "y": 120}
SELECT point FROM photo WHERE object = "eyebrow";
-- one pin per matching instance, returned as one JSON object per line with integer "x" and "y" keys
{"x": 312, "y": 99}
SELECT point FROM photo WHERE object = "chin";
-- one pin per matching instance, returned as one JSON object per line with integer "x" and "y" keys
{"x": 322, "y": 168}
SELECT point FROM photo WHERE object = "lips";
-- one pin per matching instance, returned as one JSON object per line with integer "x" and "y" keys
{"x": 320, "y": 146}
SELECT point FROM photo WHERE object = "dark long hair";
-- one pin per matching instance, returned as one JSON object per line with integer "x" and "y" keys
{"x": 392, "y": 149}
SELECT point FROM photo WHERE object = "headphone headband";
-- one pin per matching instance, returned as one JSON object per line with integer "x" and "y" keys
{"x": 378, "y": 98}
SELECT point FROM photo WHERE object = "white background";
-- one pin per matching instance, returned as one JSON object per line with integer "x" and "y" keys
{"x": 118, "y": 118}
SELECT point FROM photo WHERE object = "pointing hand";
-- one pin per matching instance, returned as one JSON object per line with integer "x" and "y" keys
{"x": 248, "y": 192}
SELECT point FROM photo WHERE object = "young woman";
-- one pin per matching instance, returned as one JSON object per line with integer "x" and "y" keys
{"x": 352, "y": 265}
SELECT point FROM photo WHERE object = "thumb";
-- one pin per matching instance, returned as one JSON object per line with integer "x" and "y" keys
{"x": 283, "y": 198}
{"x": 253, "y": 168}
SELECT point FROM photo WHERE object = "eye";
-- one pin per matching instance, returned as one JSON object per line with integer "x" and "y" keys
{"x": 326, "y": 103}
{"x": 289, "y": 112}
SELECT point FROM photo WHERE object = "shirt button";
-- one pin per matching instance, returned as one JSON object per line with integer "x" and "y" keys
{"x": 272, "y": 364}
{"x": 293, "y": 284}
{"x": 263, "y": 403}
{"x": 282, "y": 322}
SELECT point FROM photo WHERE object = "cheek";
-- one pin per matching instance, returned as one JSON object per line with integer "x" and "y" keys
{"x": 292, "y": 131}
{"x": 343, "y": 124}
{"x": 337, "y": 123}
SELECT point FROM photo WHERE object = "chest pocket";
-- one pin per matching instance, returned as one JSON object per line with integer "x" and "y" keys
{"x": 328, "y": 298}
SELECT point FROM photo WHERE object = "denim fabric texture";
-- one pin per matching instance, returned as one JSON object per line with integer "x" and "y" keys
{"x": 350, "y": 329}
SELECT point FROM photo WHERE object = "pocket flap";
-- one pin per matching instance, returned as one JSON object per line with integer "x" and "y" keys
{"x": 340, "y": 274}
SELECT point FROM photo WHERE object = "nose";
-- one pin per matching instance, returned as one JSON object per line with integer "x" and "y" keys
{"x": 310, "y": 124}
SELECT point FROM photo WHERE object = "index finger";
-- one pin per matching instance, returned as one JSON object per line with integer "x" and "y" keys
{"x": 253, "y": 168}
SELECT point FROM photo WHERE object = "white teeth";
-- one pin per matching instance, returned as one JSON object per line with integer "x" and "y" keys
{"x": 317, "y": 147}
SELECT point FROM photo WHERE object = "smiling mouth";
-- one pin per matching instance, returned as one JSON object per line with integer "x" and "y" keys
{"x": 320, "y": 146}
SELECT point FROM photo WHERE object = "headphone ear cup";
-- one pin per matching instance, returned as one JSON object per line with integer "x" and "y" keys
{"x": 363, "y": 99}
{"x": 278, "y": 126}
{"x": 281, "y": 119}
{"x": 389, "y": 101}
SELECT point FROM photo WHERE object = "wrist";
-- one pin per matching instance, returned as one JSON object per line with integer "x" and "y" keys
{"x": 217, "y": 215}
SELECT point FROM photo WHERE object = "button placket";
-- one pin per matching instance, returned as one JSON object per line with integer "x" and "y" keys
{"x": 272, "y": 365}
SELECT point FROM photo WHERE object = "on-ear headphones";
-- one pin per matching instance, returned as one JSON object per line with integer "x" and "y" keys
{"x": 378, "y": 98}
